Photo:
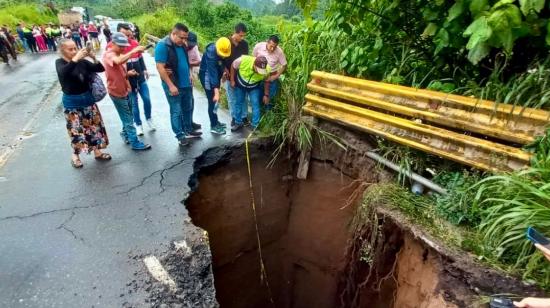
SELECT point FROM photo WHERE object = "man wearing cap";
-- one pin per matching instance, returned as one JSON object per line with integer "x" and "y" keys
{"x": 173, "y": 67}
{"x": 248, "y": 74}
{"x": 119, "y": 87}
{"x": 276, "y": 59}
{"x": 195, "y": 58}
{"x": 138, "y": 82}
{"x": 210, "y": 75}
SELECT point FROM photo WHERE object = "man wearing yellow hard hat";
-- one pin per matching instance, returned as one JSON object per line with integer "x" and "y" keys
{"x": 210, "y": 75}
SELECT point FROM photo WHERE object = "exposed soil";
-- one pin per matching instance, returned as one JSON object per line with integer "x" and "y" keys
{"x": 311, "y": 256}
{"x": 302, "y": 227}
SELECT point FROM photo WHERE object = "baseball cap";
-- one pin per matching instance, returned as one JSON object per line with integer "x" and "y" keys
{"x": 261, "y": 65}
{"x": 120, "y": 39}
{"x": 192, "y": 40}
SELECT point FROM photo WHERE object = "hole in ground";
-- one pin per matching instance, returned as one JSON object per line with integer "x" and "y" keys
{"x": 311, "y": 256}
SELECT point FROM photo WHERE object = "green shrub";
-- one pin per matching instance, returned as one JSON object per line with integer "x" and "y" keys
{"x": 28, "y": 13}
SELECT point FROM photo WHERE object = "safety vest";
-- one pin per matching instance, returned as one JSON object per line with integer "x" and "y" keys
{"x": 26, "y": 30}
{"x": 248, "y": 77}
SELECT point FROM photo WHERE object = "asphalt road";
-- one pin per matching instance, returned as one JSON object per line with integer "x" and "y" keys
{"x": 69, "y": 238}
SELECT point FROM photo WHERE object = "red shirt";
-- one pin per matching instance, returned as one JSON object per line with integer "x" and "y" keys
{"x": 117, "y": 84}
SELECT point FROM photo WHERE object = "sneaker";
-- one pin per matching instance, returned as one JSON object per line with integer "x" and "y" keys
{"x": 246, "y": 122}
{"x": 124, "y": 137}
{"x": 183, "y": 142}
{"x": 151, "y": 124}
{"x": 224, "y": 125}
{"x": 192, "y": 135}
{"x": 217, "y": 130}
{"x": 196, "y": 126}
{"x": 139, "y": 130}
{"x": 232, "y": 122}
{"x": 140, "y": 146}
{"x": 236, "y": 127}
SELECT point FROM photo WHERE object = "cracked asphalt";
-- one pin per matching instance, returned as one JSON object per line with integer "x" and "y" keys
{"x": 66, "y": 235}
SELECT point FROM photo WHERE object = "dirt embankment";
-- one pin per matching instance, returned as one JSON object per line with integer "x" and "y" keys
{"x": 310, "y": 254}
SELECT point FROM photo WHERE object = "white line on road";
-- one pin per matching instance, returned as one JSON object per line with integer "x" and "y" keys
{"x": 159, "y": 273}
{"x": 25, "y": 132}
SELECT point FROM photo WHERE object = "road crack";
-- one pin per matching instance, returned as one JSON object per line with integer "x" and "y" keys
{"x": 162, "y": 188}
{"x": 162, "y": 173}
{"x": 22, "y": 217}
{"x": 64, "y": 227}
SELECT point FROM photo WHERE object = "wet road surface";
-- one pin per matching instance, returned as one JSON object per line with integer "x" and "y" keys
{"x": 69, "y": 238}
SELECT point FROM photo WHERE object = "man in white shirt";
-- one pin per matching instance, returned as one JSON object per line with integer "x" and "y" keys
{"x": 276, "y": 59}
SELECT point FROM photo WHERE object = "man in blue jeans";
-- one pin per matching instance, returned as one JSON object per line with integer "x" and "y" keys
{"x": 138, "y": 83}
{"x": 173, "y": 67}
{"x": 119, "y": 88}
{"x": 250, "y": 76}
{"x": 210, "y": 74}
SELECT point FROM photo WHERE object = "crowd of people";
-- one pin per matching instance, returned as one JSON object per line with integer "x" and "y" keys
{"x": 247, "y": 78}
{"x": 46, "y": 38}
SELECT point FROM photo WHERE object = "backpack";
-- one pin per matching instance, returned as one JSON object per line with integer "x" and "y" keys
{"x": 97, "y": 87}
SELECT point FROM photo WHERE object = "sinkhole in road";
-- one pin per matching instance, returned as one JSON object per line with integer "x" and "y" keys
{"x": 311, "y": 255}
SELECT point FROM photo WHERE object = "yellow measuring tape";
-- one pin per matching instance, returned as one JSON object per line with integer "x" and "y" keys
{"x": 263, "y": 272}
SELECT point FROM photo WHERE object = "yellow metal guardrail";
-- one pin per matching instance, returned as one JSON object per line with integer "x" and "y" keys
{"x": 390, "y": 111}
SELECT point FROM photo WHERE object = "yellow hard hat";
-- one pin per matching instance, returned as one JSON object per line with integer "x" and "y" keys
{"x": 223, "y": 47}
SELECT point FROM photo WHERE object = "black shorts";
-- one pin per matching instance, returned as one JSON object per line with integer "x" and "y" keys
{"x": 94, "y": 34}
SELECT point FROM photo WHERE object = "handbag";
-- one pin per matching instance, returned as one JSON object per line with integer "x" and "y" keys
{"x": 97, "y": 87}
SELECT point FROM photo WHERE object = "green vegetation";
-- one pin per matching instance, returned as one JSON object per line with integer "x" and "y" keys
{"x": 209, "y": 21}
{"x": 29, "y": 13}
{"x": 421, "y": 209}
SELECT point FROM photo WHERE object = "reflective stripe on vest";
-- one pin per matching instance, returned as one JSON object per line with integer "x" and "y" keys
{"x": 247, "y": 75}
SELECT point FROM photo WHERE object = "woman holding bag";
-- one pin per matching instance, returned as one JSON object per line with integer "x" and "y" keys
{"x": 84, "y": 122}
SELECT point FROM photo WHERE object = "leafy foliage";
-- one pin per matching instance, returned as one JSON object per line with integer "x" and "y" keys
{"x": 208, "y": 20}
{"x": 29, "y": 13}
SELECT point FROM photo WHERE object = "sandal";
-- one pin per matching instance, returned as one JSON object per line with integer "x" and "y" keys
{"x": 103, "y": 156}
{"x": 77, "y": 163}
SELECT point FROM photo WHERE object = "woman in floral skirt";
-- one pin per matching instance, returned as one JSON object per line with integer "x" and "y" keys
{"x": 84, "y": 122}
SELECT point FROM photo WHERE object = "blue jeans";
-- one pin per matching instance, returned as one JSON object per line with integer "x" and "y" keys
{"x": 211, "y": 114}
{"x": 231, "y": 99}
{"x": 273, "y": 89}
{"x": 124, "y": 108}
{"x": 25, "y": 44}
{"x": 255, "y": 96}
{"x": 77, "y": 41}
{"x": 143, "y": 90}
{"x": 51, "y": 44}
{"x": 181, "y": 108}
{"x": 192, "y": 108}
{"x": 77, "y": 101}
